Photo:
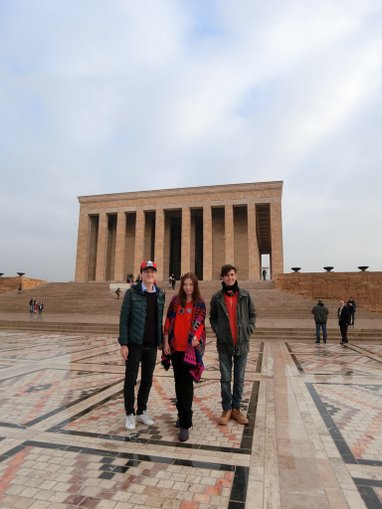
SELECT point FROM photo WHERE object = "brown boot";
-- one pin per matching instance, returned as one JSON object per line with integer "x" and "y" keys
{"x": 238, "y": 416}
{"x": 225, "y": 417}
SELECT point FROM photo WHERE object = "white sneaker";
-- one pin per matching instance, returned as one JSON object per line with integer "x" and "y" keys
{"x": 130, "y": 422}
{"x": 144, "y": 418}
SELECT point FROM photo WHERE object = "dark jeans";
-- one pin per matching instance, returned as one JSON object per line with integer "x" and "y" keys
{"x": 318, "y": 326}
{"x": 146, "y": 357}
{"x": 344, "y": 332}
{"x": 184, "y": 389}
{"x": 232, "y": 398}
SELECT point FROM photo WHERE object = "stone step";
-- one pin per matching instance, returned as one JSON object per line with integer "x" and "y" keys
{"x": 275, "y": 333}
{"x": 95, "y": 298}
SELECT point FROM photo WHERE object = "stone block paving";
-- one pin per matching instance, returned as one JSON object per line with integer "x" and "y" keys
{"x": 206, "y": 407}
{"x": 351, "y": 411}
{"x": 106, "y": 358}
{"x": 40, "y": 347}
{"x": 30, "y": 396}
{"x": 36, "y": 476}
{"x": 334, "y": 360}
{"x": 356, "y": 411}
{"x": 63, "y": 443}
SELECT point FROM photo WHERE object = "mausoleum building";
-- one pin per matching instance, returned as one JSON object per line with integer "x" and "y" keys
{"x": 194, "y": 229}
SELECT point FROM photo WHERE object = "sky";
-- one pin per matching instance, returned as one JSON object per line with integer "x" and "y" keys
{"x": 109, "y": 96}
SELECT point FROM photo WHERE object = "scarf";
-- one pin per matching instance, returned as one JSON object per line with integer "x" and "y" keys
{"x": 230, "y": 290}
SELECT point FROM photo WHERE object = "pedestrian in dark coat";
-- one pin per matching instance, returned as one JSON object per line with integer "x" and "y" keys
{"x": 344, "y": 318}
{"x": 352, "y": 307}
{"x": 320, "y": 312}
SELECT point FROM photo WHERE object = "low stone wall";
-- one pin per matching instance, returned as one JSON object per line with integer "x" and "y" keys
{"x": 364, "y": 287}
{"x": 9, "y": 284}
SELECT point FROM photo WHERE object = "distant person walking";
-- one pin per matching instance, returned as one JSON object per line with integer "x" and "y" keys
{"x": 344, "y": 317}
{"x": 352, "y": 308}
{"x": 320, "y": 313}
{"x": 118, "y": 292}
{"x": 40, "y": 307}
{"x": 32, "y": 303}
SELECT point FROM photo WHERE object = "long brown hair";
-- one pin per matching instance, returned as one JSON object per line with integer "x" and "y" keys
{"x": 196, "y": 292}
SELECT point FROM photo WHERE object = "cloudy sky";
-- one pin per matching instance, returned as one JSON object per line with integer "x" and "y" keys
{"x": 104, "y": 96}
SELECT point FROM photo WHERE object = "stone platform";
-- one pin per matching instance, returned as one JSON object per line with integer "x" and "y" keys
{"x": 314, "y": 439}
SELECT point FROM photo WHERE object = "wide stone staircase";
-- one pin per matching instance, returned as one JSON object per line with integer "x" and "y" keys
{"x": 94, "y": 308}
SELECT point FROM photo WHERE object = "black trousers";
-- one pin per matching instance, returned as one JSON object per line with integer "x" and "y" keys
{"x": 146, "y": 357}
{"x": 344, "y": 332}
{"x": 184, "y": 390}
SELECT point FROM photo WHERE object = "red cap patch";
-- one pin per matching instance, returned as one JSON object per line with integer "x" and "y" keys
{"x": 149, "y": 264}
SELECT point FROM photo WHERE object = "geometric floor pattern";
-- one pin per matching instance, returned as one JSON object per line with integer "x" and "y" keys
{"x": 314, "y": 437}
{"x": 352, "y": 411}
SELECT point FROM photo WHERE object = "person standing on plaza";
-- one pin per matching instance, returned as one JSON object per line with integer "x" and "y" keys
{"x": 140, "y": 334}
{"x": 344, "y": 317}
{"x": 185, "y": 328}
{"x": 320, "y": 313}
{"x": 233, "y": 319}
{"x": 352, "y": 308}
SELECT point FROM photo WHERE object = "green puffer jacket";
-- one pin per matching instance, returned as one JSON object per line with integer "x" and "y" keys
{"x": 246, "y": 322}
{"x": 133, "y": 316}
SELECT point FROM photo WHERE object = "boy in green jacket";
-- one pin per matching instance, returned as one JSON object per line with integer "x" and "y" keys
{"x": 140, "y": 335}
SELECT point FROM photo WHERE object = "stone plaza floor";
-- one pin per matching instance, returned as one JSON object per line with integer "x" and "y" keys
{"x": 314, "y": 439}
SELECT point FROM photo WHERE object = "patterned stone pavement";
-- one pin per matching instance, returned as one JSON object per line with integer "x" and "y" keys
{"x": 314, "y": 438}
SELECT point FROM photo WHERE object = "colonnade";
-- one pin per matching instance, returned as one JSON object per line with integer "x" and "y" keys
{"x": 114, "y": 239}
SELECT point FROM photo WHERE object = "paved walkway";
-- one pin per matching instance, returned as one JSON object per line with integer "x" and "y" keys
{"x": 314, "y": 439}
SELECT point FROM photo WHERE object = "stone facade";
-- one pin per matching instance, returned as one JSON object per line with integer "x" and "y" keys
{"x": 188, "y": 229}
{"x": 364, "y": 287}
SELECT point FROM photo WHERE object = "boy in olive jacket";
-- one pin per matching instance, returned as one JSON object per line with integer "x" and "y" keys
{"x": 233, "y": 319}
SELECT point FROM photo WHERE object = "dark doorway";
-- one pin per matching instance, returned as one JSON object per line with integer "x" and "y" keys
{"x": 175, "y": 246}
{"x": 197, "y": 234}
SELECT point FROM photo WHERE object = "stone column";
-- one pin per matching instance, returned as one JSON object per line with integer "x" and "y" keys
{"x": 277, "y": 255}
{"x": 229, "y": 235}
{"x": 139, "y": 240}
{"x": 186, "y": 241}
{"x": 253, "y": 245}
{"x": 207, "y": 243}
{"x": 82, "y": 260}
{"x": 159, "y": 242}
{"x": 119, "y": 269}
{"x": 101, "y": 247}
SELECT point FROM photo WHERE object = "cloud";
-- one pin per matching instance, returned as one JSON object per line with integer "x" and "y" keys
{"x": 125, "y": 96}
